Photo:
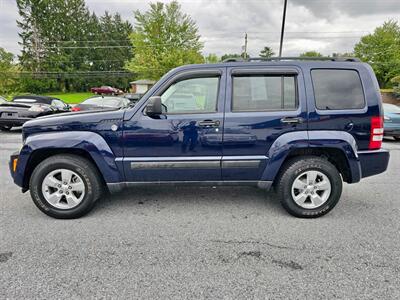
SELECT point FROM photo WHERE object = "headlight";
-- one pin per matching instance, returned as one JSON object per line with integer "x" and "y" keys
{"x": 36, "y": 108}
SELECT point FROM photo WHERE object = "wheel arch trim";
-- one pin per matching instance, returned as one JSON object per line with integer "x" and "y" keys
{"x": 317, "y": 140}
{"x": 64, "y": 142}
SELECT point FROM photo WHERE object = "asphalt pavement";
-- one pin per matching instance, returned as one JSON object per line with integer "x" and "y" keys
{"x": 216, "y": 243}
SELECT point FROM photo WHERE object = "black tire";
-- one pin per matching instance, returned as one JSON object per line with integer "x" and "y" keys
{"x": 396, "y": 138}
{"x": 81, "y": 166}
{"x": 5, "y": 128}
{"x": 294, "y": 168}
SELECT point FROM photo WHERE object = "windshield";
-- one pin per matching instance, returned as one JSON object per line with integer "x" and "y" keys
{"x": 2, "y": 100}
{"x": 391, "y": 108}
{"x": 111, "y": 102}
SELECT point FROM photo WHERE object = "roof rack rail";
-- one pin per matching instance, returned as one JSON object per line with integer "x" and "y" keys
{"x": 323, "y": 58}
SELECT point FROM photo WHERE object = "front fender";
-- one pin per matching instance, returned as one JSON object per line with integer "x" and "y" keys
{"x": 318, "y": 139}
{"x": 90, "y": 142}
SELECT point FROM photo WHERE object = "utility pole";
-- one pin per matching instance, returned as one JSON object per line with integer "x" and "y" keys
{"x": 283, "y": 27}
{"x": 245, "y": 46}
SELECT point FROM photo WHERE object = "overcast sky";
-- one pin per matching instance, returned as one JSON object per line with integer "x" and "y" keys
{"x": 324, "y": 25}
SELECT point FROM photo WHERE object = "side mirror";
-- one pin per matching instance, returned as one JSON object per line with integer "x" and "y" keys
{"x": 154, "y": 107}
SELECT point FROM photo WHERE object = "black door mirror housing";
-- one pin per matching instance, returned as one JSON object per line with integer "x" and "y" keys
{"x": 154, "y": 107}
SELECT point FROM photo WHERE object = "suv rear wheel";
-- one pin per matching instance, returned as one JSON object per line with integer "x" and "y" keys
{"x": 65, "y": 186}
{"x": 309, "y": 187}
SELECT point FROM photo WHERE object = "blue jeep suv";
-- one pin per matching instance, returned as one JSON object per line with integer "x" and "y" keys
{"x": 299, "y": 127}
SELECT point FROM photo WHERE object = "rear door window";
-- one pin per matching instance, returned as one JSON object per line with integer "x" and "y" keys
{"x": 264, "y": 93}
{"x": 337, "y": 89}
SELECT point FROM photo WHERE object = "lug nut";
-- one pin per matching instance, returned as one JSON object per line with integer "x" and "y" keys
{"x": 67, "y": 193}
{"x": 60, "y": 192}
{"x": 70, "y": 187}
{"x": 59, "y": 185}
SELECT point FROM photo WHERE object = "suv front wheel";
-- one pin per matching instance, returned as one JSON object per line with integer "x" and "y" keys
{"x": 65, "y": 186}
{"x": 309, "y": 187}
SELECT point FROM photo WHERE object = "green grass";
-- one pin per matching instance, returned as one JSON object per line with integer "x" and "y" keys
{"x": 71, "y": 98}
{"x": 386, "y": 90}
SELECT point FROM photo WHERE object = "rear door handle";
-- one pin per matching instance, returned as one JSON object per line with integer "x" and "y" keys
{"x": 209, "y": 123}
{"x": 291, "y": 120}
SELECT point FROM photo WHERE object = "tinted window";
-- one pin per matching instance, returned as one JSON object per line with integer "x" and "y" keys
{"x": 263, "y": 92}
{"x": 58, "y": 103}
{"x": 337, "y": 89}
{"x": 106, "y": 101}
{"x": 196, "y": 95}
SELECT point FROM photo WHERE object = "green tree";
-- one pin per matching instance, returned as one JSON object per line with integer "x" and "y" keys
{"x": 67, "y": 48}
{"x": 381, "y": 50}
{"x": 396, "y": 85}
{"x": 8, "y": 73}
{"x": 266, "y": 52}
{"x": 49, "y": 30}
{"x": 311, "y": 54}
{"x": 211, "y": 58}
{"x": 226, "y": 56}
{"x": 344, "y": 54}
{"x": 163, "y": 38}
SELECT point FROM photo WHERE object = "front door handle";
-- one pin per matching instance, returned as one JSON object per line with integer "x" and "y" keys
{"x": 209, "y": 123}
{"x": 291, "y": 120}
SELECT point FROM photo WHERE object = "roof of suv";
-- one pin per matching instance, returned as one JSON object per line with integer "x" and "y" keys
{"x": 309, "y": 62}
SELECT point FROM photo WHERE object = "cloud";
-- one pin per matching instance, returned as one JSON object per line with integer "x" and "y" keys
{"x": 324, "y": 25}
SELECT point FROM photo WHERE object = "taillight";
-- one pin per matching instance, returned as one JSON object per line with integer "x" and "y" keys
{"x": 376, "y": 136}
{"x": 75, "y": 108}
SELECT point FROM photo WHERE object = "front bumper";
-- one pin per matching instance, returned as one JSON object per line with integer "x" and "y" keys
{"x": 373, "y": 162}
{"x": 17, "y": 173}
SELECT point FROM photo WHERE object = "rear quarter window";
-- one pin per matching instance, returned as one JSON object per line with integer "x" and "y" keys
{"x": 337, "y": 89}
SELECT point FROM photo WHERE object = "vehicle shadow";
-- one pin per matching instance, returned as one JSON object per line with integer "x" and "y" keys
{"x": 190, "y": 198}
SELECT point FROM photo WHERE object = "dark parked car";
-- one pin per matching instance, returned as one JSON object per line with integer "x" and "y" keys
{"x": 24, "y": 108}
{"x": 392, "y": 121}
{"x": 102, "y": 103}
{"x": 108, "y": 90}
{"x": 134, "y": 97}
{"x": 312, "y": 126}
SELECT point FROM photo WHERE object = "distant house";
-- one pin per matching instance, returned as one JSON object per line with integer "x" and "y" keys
{"x": 141, "y": 86}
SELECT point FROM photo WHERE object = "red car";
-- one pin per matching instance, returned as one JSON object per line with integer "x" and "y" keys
{"x": 106, "y": 90}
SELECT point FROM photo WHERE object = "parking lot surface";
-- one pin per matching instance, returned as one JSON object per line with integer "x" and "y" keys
{"x": 226, "y": 242}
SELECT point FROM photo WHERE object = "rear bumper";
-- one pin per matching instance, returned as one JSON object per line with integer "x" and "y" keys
{"x": 391, "y": 132}
{"x": 373, "y": 162}
{"x": 391, "y": 129}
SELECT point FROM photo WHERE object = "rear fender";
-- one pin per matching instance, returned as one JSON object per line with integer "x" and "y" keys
{"x": 319, "y": 139}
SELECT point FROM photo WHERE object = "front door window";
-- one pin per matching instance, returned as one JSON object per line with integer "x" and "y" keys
{"x": 196, "y": 95}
